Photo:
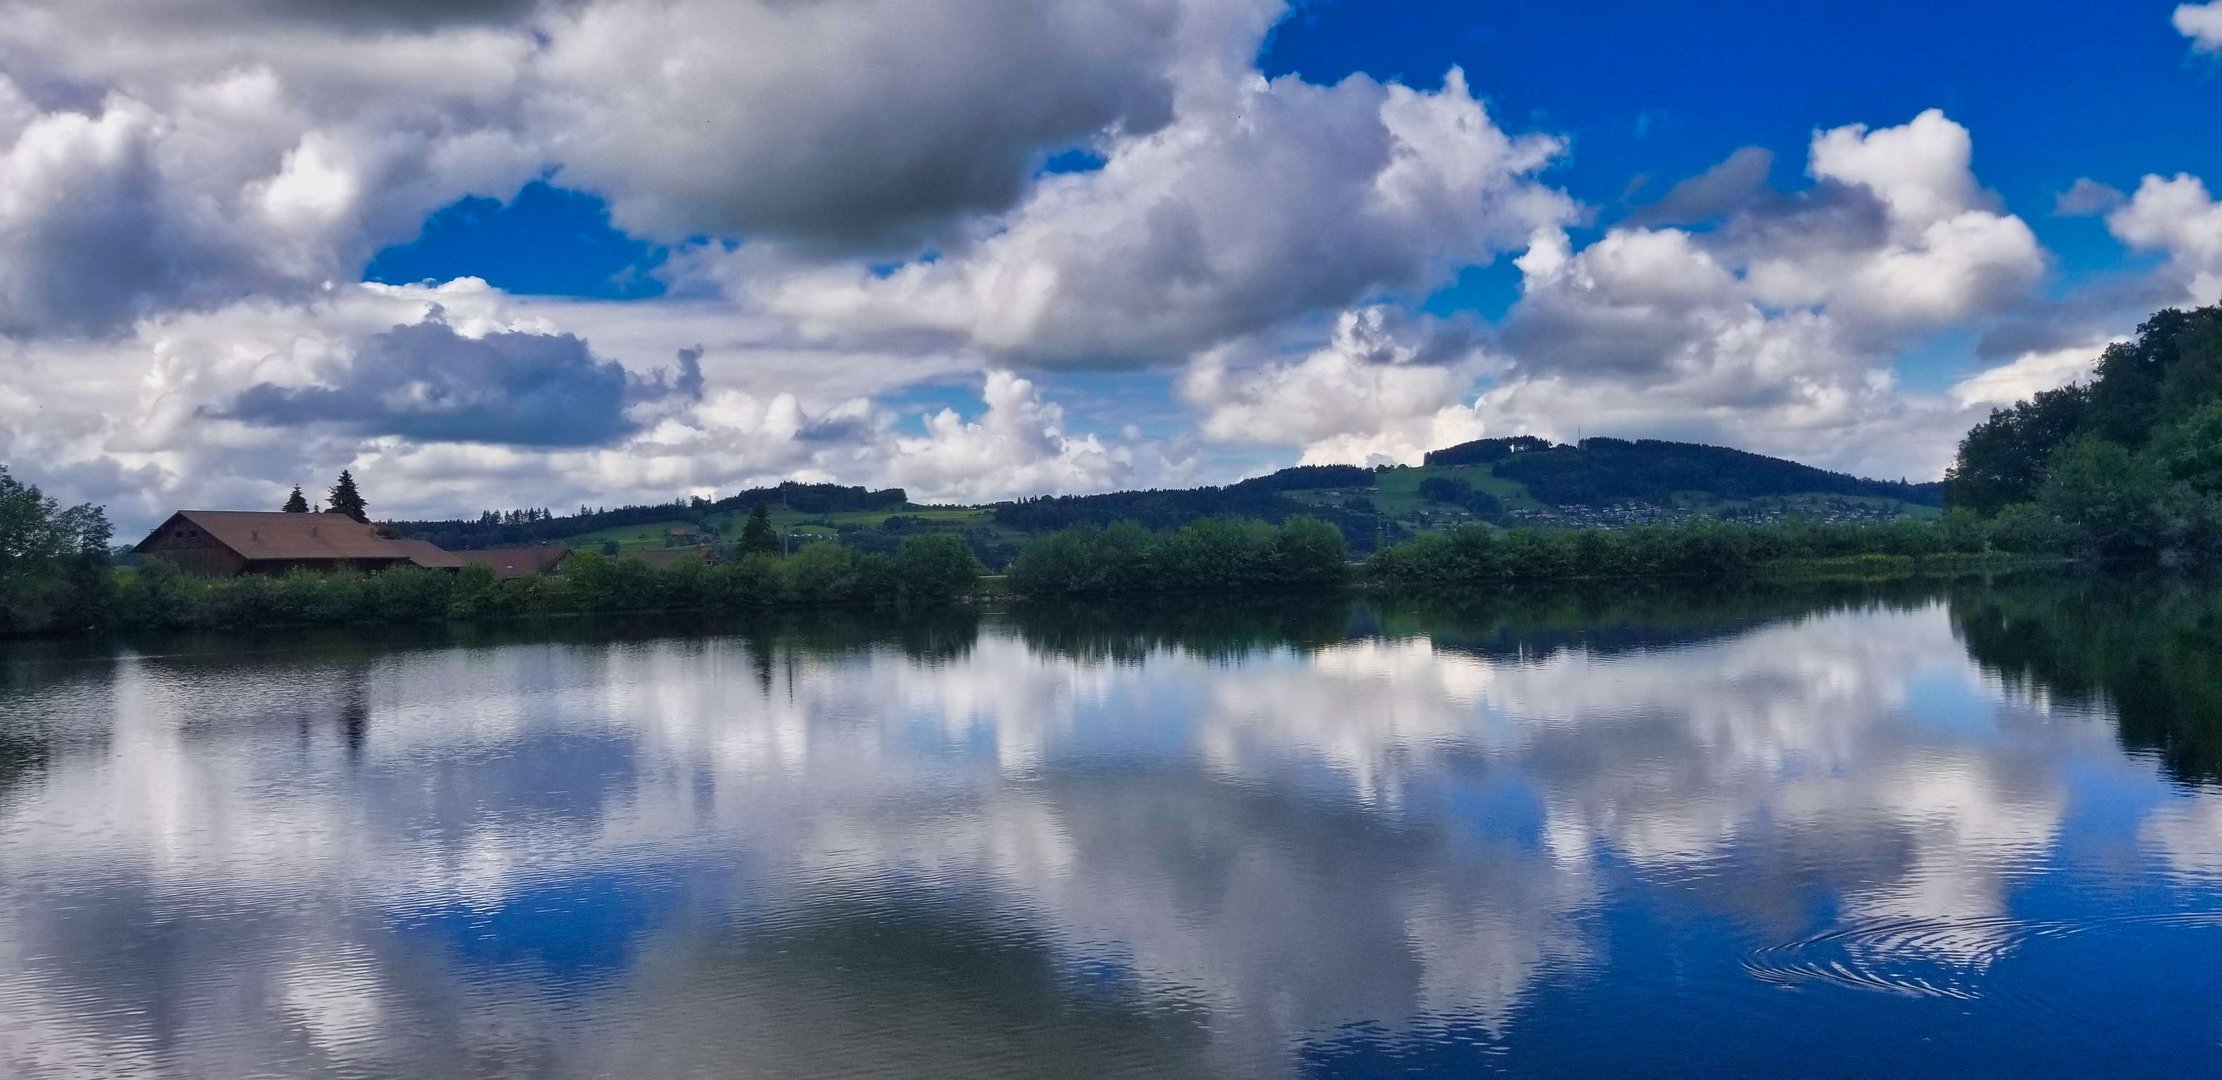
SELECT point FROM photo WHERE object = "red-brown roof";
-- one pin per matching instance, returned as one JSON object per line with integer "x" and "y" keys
{"x": 429, "y": 555}
{"x": 517, "y": 562}
{"x": 256, "y": 534}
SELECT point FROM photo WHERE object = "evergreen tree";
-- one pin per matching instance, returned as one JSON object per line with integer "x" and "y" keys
{"x": 757, "y": 537}
{"x": 296, "y": 503}
{"x": 344, "y": 499}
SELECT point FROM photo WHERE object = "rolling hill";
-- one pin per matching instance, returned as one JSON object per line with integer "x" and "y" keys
{"x": 1523, "y": 480}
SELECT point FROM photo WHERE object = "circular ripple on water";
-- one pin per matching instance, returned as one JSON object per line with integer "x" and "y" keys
{"x": 1937, "y": 958}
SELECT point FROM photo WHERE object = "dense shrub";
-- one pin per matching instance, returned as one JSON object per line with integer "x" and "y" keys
{"x": 1216, "y": 554}
{"x": 932, "y": 569}
{"x": 1478, "y": 555}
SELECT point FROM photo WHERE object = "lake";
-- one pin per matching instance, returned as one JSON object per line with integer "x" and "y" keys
{"x": 1832, "y": 830}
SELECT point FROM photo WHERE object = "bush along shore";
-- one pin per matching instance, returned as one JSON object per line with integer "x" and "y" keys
{"x": 1478, "y": 555}
{"x": 55, "y": 575}
{"x": 927, "y": 571}
{"x": 1302, "y": 555}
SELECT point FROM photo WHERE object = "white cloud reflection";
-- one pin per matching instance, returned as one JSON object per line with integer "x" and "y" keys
{"x": 1385, "y": 830}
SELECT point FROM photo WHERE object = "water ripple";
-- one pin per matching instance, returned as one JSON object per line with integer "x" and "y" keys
{"x": 1933, "y": 957}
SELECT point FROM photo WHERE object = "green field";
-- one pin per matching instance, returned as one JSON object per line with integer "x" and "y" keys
{"x": 1397, "y": 491}
{"x": 1394, "y": 492}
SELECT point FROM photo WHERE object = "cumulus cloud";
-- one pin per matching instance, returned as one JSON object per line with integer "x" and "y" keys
{"x": 1776, "y": 330}
{"x": 1018, "y": 446}
{"x": 151, "y": 162}
{"x": 426, "y": 381}
{"x": 1773, "y": 329}
{"x": 708, "y": 116}
{"x": 1381, "y": 391}
{"x": 2202, "y": 23}
{"x": 1261, "y": 202}
{"x": 2176, "y": 215}
{"x": 186, "y": 193}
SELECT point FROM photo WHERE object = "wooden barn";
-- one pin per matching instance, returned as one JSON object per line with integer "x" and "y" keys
{"x": 518, "y": 562}
{"x": 226, "y": 543}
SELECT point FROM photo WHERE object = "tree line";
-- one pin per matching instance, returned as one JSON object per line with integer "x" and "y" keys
{"x": 495, "y": 529}
{"x": 2128, "y": 464}
{"x": 1477, "y": 556}
{"x": 929, "y": 570}
{"x": 1213, "y": 555}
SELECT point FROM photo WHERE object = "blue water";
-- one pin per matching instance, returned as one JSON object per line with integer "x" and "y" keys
{"x": 1912, "y": 830}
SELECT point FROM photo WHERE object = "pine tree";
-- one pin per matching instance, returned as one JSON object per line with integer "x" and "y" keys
{"x": 344, "y": 499}
{"x": 296, "y": 503}
{"x": 757, "y": 537}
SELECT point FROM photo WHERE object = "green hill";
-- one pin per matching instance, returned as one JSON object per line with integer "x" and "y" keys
{"x": 1516, "y": 481}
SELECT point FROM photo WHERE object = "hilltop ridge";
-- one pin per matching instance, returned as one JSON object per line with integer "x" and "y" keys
{"x": 1518, "y": 480}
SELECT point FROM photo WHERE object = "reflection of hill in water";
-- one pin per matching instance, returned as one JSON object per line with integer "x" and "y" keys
{"x": 1609, "y": 618}
{"x": 1516, "y": 623}
{"x": 2149, "y": 650}
{"x": 1213, "y": 628}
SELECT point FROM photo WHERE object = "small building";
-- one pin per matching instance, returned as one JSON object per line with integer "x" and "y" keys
{"x": 518, "y": 562}
{"x": 226, "y": 543}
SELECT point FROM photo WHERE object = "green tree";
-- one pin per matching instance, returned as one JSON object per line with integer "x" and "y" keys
{"x": 296, "y": 503}
{"x": 344, "y": 499}
{"x": 757, "y": 537}
{"x": 2002, "y": 460}
{"x": 935, "y": 568}
{"x": 2117, "y": 502}
{"x": 51, "y": 559}
{"x": 821, "y": 573}
{"x": 1310, "y": 552}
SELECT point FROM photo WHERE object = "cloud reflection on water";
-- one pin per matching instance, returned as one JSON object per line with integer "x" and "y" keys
{"x": 648, "y": 856}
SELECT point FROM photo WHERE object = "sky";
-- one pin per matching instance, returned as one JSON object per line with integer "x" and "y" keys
{"x": 503, "y": 253}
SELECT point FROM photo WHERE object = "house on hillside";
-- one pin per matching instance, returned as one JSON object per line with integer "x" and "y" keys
{"x": 226, "y": 543}
{"x": 518, "y": 562}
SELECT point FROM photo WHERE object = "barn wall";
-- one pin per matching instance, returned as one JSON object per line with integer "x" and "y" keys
{"x": 193, "y": 551}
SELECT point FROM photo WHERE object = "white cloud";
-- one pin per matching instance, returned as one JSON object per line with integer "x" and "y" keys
{"x": 1777, "y": 331}
{"x": 1017, "y": 447}
{"x": 2028, "y": 374}
{"x": 143, "y": 423}
{"x": 2177, "y": 216}
{"x": 2202, "y": 23}
{"x": 849, "y": 123}
{"x": 1260, "y": 203}
{"x": 184, "y": 197}
{"x": 1944, "y": 255}
{"x": 1376, "y": 393}
{"x": 152, "y": 163}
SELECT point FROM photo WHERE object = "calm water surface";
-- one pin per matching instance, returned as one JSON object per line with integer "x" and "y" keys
{"x": 1947, "y": 830}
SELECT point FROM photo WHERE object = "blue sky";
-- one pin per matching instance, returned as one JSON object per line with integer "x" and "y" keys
{"x": 1648, "y": 92}
{"x": 1065, "y": 246}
